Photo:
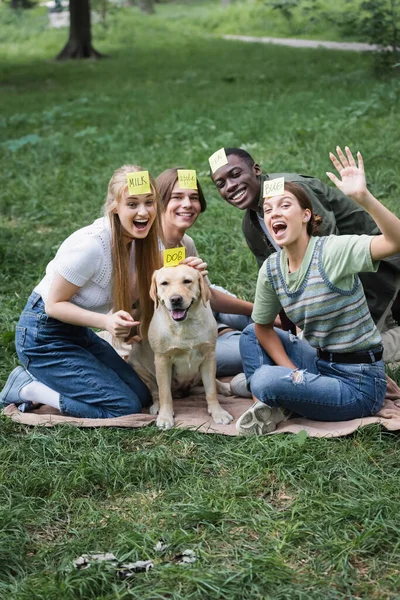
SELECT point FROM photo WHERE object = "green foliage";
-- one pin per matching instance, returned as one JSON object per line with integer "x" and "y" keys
{"x": 282, "y": 517}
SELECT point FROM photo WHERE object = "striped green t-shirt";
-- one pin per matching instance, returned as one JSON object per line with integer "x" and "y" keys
{"x": 318, "y": 305}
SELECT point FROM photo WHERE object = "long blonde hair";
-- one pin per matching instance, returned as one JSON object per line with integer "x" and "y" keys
{"x": 147, "y": 253}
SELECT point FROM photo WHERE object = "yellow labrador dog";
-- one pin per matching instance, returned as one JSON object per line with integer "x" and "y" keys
{"x": 180, "y": 352}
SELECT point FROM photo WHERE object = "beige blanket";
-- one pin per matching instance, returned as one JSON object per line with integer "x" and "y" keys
{"x": 192, "y": 413}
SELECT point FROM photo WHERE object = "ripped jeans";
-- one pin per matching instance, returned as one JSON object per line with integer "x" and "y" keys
{"x": 321, "y": 390}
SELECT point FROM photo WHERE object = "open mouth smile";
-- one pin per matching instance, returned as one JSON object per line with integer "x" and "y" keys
{"x": 237, "y": 196}
{"x": 185, "y": 215}
{"x": 179, "y": 314}
{"x": 141, "y": 224}
{"x": 279, "y": 228}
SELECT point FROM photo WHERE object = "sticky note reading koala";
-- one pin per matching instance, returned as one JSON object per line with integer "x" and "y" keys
{"x": 138, "y": 183}
{"x": 187, "y": 179}
{"x": 173, "y": 256}
{"x": 274, "y": 187}
{"x": 217, "y": 160}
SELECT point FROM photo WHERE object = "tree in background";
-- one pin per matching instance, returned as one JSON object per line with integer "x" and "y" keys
{"x": 21, "y": 4}
{"x": 79, "y": 44}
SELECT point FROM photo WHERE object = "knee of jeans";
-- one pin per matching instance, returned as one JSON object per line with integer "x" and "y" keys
{"x": 297, "y": 377}
{"x": 129, "y": 406}
{"x": 265, "y": 383}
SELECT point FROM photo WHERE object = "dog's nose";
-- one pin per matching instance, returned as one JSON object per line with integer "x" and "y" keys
{"x": 176, "y": 300}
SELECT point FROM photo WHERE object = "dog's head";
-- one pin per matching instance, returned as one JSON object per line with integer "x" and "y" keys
{"x": 177, "y": 288}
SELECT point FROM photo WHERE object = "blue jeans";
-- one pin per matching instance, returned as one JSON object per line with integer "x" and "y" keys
{"x": 326, "y": 392}
{"x": 227, "y": 351}
{"x": 92, "y": 380}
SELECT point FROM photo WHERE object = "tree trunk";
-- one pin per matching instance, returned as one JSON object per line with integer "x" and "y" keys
{"x": 79, "y": 43}
{"x": 147, "y": 6}
{"x": 21, "y": 4}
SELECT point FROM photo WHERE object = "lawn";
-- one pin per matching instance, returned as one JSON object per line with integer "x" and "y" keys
{"x": 268, "y": 518}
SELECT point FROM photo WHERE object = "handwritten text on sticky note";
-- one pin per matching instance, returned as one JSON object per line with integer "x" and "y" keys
{"x": 274, "y": 187}
{"x": 138, "y": 183}
{"x": 173, "y": 256}
{"x": 218, "y": 159}
{"x": 187, "y": 179}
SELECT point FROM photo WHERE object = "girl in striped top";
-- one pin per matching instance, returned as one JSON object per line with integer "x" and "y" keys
{"x": 335, "y": 372}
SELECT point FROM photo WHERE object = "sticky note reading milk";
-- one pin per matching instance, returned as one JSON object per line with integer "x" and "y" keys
{"x": 173, "y": 256}
{"x": 138, "y": 183}
{"x": 187, "y": 179}
{"x": 274, "y": 187}
{"x": 217, "y": 160}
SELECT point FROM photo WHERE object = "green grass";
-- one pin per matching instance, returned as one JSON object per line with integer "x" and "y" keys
{"x": 281, "y": 517}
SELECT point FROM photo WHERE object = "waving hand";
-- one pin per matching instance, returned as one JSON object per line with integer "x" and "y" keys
{"x": 352, "y": 182}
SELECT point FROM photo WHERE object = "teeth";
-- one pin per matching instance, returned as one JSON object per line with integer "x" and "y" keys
{"x": 184, "y": 214}
{"x": 139, "y": 221}
{"x": 238, "y": 195}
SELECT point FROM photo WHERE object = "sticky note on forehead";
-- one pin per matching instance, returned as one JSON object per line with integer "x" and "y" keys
{"x": 187, "y": 179}
{"x": 138, "y": 183}
{"x": 217, "y": 160}
{"x": 173, "y": 256}
{"x": 274, "y": 187}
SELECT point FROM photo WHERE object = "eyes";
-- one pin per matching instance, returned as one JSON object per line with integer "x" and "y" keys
{"x": 133, "y": 204}
{"x": 268, "y": 208}
{"x": 186, "y": 281}
{"x": 180, "y": 197}
{"x": 220, "y": 183}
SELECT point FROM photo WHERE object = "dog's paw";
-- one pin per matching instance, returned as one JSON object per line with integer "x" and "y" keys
{"x": 221, "y": 416}
{"x": 154, "y": 408}
{"x": 223, "y": 388}
{"x": 165, "y": 421}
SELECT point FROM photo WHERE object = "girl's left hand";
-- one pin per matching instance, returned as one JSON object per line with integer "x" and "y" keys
{"x": 196, "y": 263}
{"x": 353, "y": 182}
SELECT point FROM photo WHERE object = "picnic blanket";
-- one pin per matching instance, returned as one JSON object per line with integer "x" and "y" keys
{"x": 191, "y": 413}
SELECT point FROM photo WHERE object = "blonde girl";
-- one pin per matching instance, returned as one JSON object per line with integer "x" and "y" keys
{"x": 64, "y": 363}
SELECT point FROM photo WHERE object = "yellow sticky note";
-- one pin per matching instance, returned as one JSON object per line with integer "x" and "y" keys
{"x": 173, "y": 256}
{"x": 274, "y": 187}
{"x": 218, "y": 159}
{"x": 187, "y": 179}
{"x": 138, "y": 183}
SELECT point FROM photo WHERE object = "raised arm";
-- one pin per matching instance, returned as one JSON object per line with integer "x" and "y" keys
{"x": 352, "y": 183}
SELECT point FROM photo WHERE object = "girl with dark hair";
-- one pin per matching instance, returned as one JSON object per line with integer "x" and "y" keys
{"x": 180, "y": 210}
{"x": 336, "y": 371}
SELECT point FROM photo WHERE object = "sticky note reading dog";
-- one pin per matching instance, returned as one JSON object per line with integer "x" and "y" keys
{"x": 187, "y": 179}
{"x": 173, "y": 256}
{"x": 274, "y": 187}
{"x": 138, "y": 183}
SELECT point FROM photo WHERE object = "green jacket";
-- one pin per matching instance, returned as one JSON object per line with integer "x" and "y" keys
{"x": 340, "y": 216}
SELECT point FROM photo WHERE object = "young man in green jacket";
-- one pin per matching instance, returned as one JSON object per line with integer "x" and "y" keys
{"x": 240, "y": 182}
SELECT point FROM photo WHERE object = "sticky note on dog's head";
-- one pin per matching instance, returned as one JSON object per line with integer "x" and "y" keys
{"x": 173, "y": 256}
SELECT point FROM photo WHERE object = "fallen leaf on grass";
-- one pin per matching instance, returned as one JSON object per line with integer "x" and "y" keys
{"x": 160, "y": 546}
{"x": 186, "y": 557}
{"x": 127, "y": 570}
{"x": 84, "y": 561}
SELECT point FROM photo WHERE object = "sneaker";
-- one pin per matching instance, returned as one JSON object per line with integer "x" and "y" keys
{"x": 17, "y": 379}
{"x": 27, "y": 406}
{"x": 260, "y": 419}
{"x": 239, "y": 386}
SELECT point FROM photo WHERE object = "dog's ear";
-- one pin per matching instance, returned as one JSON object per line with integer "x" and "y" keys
{"x": 153, "y": 290}
{"x": 204, "y": 290}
